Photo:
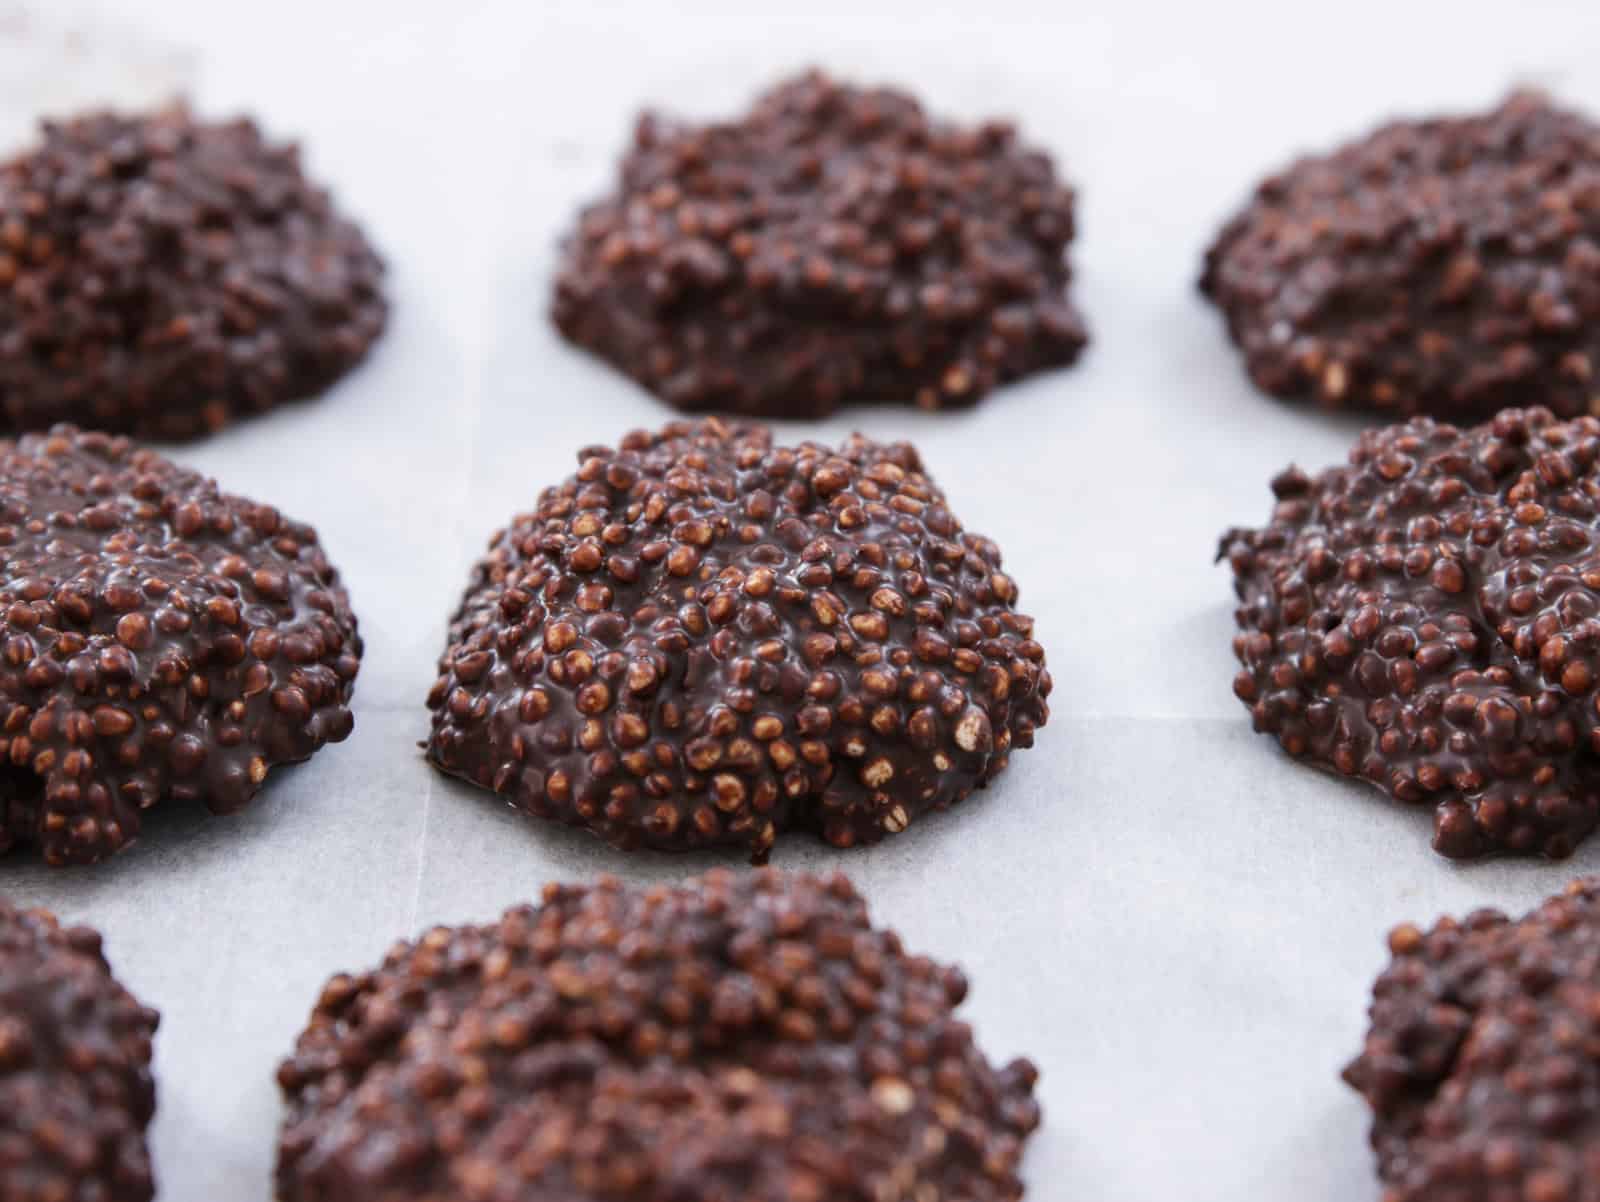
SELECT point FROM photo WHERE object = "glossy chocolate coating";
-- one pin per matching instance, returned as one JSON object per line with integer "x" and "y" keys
{"x": 703, "y": 639}
{"x": 1425, "y": 618}
{"x": 161, "y": 639}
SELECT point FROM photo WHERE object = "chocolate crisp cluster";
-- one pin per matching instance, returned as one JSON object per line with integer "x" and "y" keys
{"x": 1425, "y": 618}
{"x": 835, "y": 244}
{"x": 159, "y": 638}
{"x": 76, "y": 1092}
{"x": 162, "y": 276}
{"x": 1448, "y": 266}
{"x": 743, "y": 1036}
{"x": 701, "y": 638}
{"x": 1480, "y": 1064}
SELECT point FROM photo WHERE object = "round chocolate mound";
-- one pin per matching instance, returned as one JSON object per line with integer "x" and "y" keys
{"x": 835, "y": 244}
{"x": 76, "y": 1094}
{"x": 160, "y": 638}
{"x": 1425, "y": 618}
{"x": 1480, "y": 1063}
{"x": 704, "y": 639}
{"x": 161, "y": 276}
{"x": 746, "y": 1037}
{"x": 1449, "y": 267}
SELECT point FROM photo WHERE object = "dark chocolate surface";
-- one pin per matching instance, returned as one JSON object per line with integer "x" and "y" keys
{"x": 835, "y": 244}
{"x": 704, "y": 639}
{"x": 161, "y": 639}
{"x": 1425, "y": 618}
{"x": 76, "y": 1093}
{"x": 1449, "y": 266}
{"x": 746, "y": 1036}
{"x": 162, "y": 276}
{"x": 1481, "y": 1062}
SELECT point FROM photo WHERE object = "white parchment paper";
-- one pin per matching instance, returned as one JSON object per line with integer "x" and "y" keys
{"x": 1175, "y": 922}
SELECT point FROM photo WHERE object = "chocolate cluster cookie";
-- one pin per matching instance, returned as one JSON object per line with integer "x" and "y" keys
{"x": 747, "y": 1036}
{"x": 835, "y": 244}
{"x": 161, "y": 276}
{"x": 702, "y": 638}
{"x": 1449, "y": 267}
{"x": 1425, "y": 618}
{"x": 1480, "y": 1063}
{"x": 76, "y": 1094}
{"x": 158, "y": 638}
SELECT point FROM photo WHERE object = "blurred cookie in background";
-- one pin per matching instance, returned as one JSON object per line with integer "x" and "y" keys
{"x": 834, "y": 244}
{"x": 1448, "y": 266}
{"x": 162, "y": 275}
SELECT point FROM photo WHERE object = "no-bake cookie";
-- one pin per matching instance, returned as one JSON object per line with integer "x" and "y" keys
{"x": 1449, "y": 267}
{"x": 742, "y": 1036}
{"x": 1425, "y": 618}
{"x": 159, "y": 638}
{"x": 702, "y": 638}
{"x": 161, "y": 276}
{"x": 1480, "y": 1063}
{"x": 835, "y": 244}
{"x": 76, "y": 1093}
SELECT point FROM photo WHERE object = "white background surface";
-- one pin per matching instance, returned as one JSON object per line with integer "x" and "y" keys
{"x": 1175, "y": 922}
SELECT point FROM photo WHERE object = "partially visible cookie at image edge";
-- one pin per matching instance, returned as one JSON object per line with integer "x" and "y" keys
{"x": 834, "y": 244}
{"x": 1448, "y": 266}
{"x": 1427, "y": 618}
{"x": 162, "y": 275}
{"x": 742, "y": 1035}
{"x": 704, "y": 639}
{"x": 1479, "y": 1062}
{"x": 159, "y": 639}
{"x": 76, "y": 1091}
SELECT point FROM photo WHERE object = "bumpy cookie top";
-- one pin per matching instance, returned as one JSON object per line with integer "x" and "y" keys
{"x": 1425, "y": 617}
{"x": 743, "y": 1036}
{"x": 161, "y": 276}
{"x": 1480, "y": 1064}
{"x": 76, "y": 1092}
{"x": 701, "y": 638}
{"x": 1448, "y": 267}
{"x": 835, "y": 244}
{"x": 158, "y": 638}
